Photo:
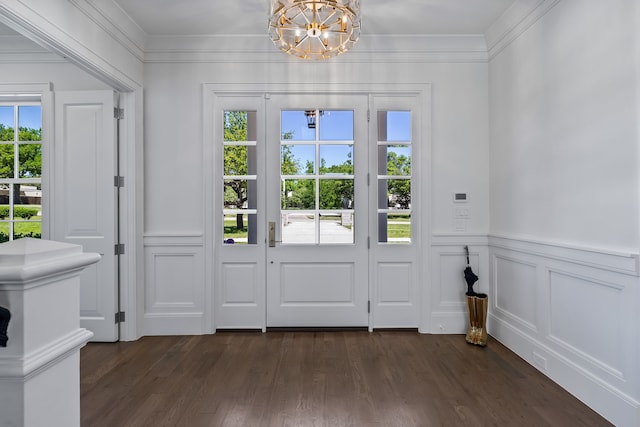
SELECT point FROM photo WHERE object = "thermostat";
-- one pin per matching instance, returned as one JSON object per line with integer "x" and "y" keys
{"x": 460, "y": 197}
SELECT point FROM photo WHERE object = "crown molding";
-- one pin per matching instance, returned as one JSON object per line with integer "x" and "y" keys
{"x": 254, "y": 48}
{"x": 514, "y": 22}
{"x": 116, "y": 23}
{"x": 119, "y": 26}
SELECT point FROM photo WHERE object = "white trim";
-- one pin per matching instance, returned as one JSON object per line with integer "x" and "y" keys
{"x": 420, "y": 90}
{"x": 616, "y": 260}
{"x": 514, "y": 22}
{"x": 24, "y": 368}
{"x": 131, "y": 215}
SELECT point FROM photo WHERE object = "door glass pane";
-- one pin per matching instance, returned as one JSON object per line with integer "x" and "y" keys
{"x": 398, "y": 160}
{"x": 336, "y": 159}
{"x": 297, "y": 159}
{"x": 336, "y": 125}
{"x": 299, "y": 125}
{"x": 394, "y": 227}
{"x": 394, "y": 176}
{"x": 336, "y": 228}
{"x": 298, "y": 193}
{"x": 394, "y": 126}
{"x": 239, "y": 177}
{"x": 336, "y": 194}
{"x": 399, "y": 193}
{"x": 298, "y": 227}
{"x": 319, "y": 207}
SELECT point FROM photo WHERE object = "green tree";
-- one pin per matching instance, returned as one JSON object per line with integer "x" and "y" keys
{"x": 6, "y": 133}
{"x": 235, "y": 161}
{"x": 337, "y": 193}
{"x": 399, "y": 189}
{"x": 30, "y": 155}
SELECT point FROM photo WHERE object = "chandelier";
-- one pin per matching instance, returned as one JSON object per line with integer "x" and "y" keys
{"x": 314, "y": 29}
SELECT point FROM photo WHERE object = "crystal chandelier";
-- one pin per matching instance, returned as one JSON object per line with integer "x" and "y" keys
{"x": 314, "y": 29}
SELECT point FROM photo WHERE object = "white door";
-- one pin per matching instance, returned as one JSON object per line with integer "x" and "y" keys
{"x": 317, "y": 211}
{"x": 84, "y": 199}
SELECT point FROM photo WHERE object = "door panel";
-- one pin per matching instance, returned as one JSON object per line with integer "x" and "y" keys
{"x": 84, "y": 199}
{"x": 395, "y": 228}
{"x": 317, "y": 262}
{"x": 240, "y": 278}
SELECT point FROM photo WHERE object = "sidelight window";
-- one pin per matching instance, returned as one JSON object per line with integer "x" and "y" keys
{"x": 240, "y": 179}
{"x": 394, "y": 177}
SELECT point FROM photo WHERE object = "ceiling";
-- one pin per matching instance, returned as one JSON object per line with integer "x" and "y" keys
{"x": 249, "y": 17}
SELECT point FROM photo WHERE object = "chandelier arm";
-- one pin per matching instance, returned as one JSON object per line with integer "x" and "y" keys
{"x": 302, "y": 40}
{"x": 301, "y": 12}
{"x": 328, "y": 17}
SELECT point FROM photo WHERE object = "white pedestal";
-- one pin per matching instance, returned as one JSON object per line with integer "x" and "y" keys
{"x": 40, "y": 367}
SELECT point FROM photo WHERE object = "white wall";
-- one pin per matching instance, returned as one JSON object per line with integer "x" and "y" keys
{"x": 564, "y": 154}
{"x": 173, "y": 119}
{"x": 174, "y": 198}
{"x": 64, "y": 76}
{"x": 564, "y": 236}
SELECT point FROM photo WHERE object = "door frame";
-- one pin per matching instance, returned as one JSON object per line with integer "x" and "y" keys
{"x": 213, "y": 92}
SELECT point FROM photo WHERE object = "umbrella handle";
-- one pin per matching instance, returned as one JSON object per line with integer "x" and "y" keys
{"x": 466, "y": 248}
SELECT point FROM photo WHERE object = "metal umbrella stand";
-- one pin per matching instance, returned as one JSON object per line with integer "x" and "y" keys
{"x": 477, "y": 304}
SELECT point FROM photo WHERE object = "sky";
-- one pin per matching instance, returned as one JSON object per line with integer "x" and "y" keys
{"x": 29, "y": 116}
{"x": 334, "y": 125}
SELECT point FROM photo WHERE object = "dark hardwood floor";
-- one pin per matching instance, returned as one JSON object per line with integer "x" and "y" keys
{"x": 321, "y": 378}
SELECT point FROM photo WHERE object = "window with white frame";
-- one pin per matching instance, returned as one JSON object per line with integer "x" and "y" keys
{"x": 20, "y": 169}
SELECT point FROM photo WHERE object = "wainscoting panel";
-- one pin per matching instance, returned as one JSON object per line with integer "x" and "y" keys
{"x": 448, "y": 305}
{"x": 577, "y": 322}
{"x": 515, "y": 290}
{"x": 175, "y": 294}
{"x": 573, "y": 314}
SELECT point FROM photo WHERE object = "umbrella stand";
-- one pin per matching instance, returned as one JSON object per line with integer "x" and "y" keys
{"x": 477, "y": 305}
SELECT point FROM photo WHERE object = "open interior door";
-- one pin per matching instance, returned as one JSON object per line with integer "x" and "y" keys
{"x": 84, "y": 199}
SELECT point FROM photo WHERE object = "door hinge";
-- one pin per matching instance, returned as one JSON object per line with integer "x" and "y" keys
{"x": 368, "y": 179}
{"x": 118, "y": 181}
{"x": 118, "y": 113}
{"x": 369, "y": 306}
{"x": 368, "y": 115}
{"x": 119, "y": 249}
{"x": 120, "y": 317}
{"x": 368, "y": 242}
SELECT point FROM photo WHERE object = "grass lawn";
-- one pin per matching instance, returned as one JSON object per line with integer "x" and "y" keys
{"x": 399, "y": 230}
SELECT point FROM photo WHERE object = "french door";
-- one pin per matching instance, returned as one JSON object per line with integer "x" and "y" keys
{"x": 317, "y": 226}
{"x": 316, "y": 208}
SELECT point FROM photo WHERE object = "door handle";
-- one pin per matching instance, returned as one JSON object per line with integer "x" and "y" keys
{"x": 272, "y": 234}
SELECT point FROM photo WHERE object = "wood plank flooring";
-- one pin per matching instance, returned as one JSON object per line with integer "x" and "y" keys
{"x": 319, "y": 378}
